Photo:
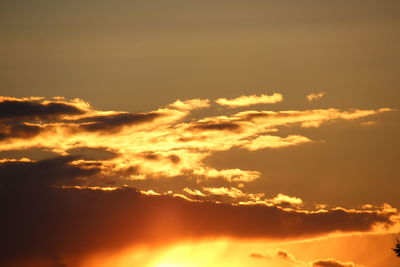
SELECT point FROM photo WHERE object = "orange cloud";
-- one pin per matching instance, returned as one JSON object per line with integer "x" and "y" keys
{"x": 190, "y": 104}
{"x": 159, "y": 143}
{"x": 288, "y": 258}
{"x": 37, "y": 108}
{"x": 243, "y": 101}
{"x": 369, "y": 123}
{"x": 236, "y": 196}
{"x": 270, "y": 141}
{"x": 284, "y": 199}
{"x": 315, "y": 96}
{"x": 46, "y": 211}
{"x": 279, "y": 255}
{"x": 233, "y": 175}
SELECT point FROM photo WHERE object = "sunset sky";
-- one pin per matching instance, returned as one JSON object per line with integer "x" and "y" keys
{"x": 199, "y": 133}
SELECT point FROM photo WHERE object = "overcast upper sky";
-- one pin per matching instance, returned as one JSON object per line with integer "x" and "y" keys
{"x": 263, "y": 129}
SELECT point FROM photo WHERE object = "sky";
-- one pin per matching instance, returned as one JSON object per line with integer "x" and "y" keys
{"x": 199, "y": 133}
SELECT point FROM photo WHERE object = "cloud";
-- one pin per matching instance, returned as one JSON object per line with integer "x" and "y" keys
{"x": 44, "y": 214}
{"x": 217, "y": 126}
{"x": 236, "y": 196}
{"x": 191, "y": 104}
{"x": 284, "y": 200}
{"x": 257, "y": 255}
{"x": 369, "y": 123}
{"x": 165, "y": 142}
{"x": 91, "y": 153}
{"x": 306, "y": 118}
{"x": 289, "y": 258}
{"x": 286, "y": 256}
{"x": 113, "y": 123}
{"x": 35, "y": 108}
{"x": 47, "y": 204}
{"x": 250, "y": 100}
{"x": 270, "y": 141}
{"x": 228, "y": 195}
{"x": 232, "y": 175}
{"x": 332, "y": 263}
{"x": 231, "y": 192}
{"x": 22, "y": 130}
{"x": 315, "y": 96}
{"x": 25, "y": 174}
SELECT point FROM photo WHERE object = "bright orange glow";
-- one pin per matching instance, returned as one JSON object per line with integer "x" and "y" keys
{"x": 199, "y": 133}
{"x": 171, "y": 265}
{"x": 236, "y": 253}
{"x": 192, "y": 255}
{"x": 189, "y": 254}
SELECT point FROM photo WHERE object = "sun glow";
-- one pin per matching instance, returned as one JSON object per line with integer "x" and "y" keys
{"x": 260, "y": 253}
{"x": 192, "y": 255}
{"x": 209, "y": 253}
{"x": 173, "y": 265}
{"x": 167, "y": 265}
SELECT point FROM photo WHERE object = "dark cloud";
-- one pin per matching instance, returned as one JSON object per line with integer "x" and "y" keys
{"x": 113, "y": 123}
{"x": 151, "y": 156}
{"x": 285, "y": 256}
{"x": 91, "y": 153}
{"x": 35, "y": 110}
{"x": 331, "y": 263}
{"x": 212, "y": 126}
{"x": 174, "y": 158}
{"x": 280, "y": 254}
{"x": 21, "y": 130}
{"x": 154, "y": 156}
{"x": 16, "y": 113}
{"x": 36, "y": 153}
{"x": 43, "y": 221}
{"x": 257, "y": 256}
{"x": 25, "y": 175}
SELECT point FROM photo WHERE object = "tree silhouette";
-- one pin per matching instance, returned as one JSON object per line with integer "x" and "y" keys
{"x": 396, "y": 249}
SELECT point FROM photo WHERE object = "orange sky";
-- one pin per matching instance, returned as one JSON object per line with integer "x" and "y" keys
{"x": 220, "y": 133}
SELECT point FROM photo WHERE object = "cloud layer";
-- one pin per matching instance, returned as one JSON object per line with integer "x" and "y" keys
{"x": 244, "y": 100}
{"x": 46, "y": 219}
{"x": 77, "y": 203}
{"x": 166, "y": 142}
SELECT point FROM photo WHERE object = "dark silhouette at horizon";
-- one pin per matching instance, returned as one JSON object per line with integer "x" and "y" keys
{"x": 396, "y": 249}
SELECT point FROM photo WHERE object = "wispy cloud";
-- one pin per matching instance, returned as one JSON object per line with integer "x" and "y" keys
{"x": 270, "y": 141}
{"x": 332, "y": 263}
{"x": 159, "y": 143}
{"x": 315, "y": 96}
{"x": 249, "y": 100}
{"x": 284, "y": 256}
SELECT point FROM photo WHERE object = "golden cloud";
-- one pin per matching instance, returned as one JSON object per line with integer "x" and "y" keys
{"x": 243, "y": 101}
{"x": 159, "y": 143}
{"x": 315, "y": 96}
